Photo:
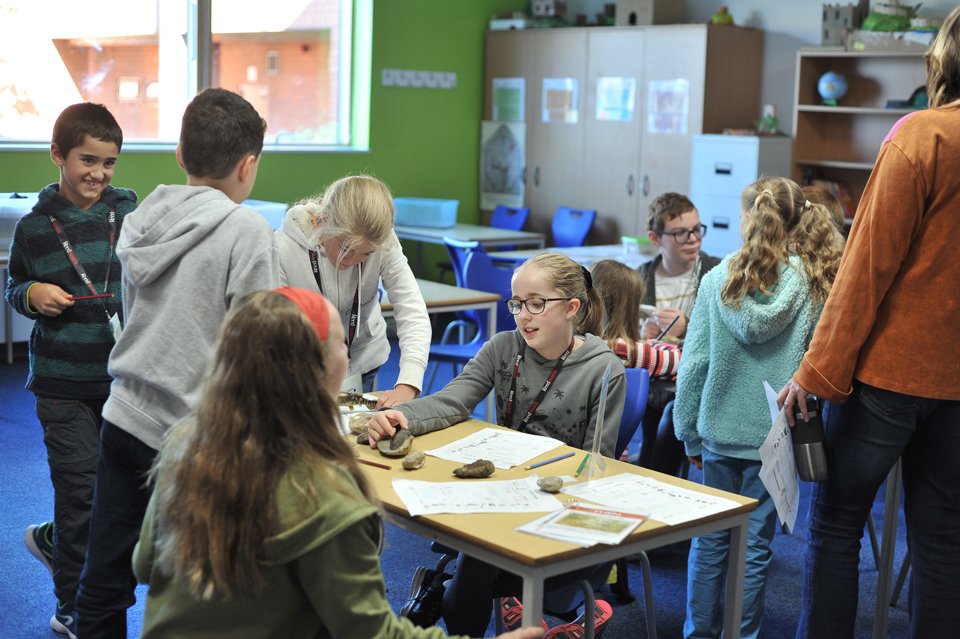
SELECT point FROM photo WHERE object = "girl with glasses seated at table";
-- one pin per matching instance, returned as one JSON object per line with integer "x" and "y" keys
{"x": 261, "y": 522}
{"x": 552, "y": 367}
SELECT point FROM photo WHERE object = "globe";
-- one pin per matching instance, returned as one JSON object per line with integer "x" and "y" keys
{"x": 832, "y": 86}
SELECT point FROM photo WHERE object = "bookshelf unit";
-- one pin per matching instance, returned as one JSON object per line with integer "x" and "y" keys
{"x": 841, "y": 143}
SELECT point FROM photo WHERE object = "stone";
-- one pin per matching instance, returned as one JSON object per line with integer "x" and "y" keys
{"x": 363, "y": 438}
{"x": 550, "y": 484}
{"x": 398, "y": 445}
{"x": 478, "y": 469}
{"x": 358, "y": 423}
{"x": 414, "y": 460}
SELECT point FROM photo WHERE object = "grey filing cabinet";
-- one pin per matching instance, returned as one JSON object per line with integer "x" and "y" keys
{"x": 721, "y": 167}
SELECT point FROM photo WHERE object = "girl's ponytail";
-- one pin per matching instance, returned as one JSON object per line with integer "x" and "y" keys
{"x": 590, "y": 317}
{"x": 772, "y": 207}
{"x": 818, "y": 242}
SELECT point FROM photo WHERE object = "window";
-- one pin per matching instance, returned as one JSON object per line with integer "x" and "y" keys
{"x": 139, "y": 59}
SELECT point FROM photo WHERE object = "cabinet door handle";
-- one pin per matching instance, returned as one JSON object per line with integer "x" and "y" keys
{"x": 630, "y": 184}
{"x": 536, "y": 176}
{"x": 645, "y": 185}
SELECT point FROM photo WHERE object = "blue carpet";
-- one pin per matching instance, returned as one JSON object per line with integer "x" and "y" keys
{"x": 26, "y": 598}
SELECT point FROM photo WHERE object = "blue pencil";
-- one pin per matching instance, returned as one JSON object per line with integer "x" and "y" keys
{"x": 549, "y": 461}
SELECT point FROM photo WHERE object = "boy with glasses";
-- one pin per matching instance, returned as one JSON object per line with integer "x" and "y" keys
{"x": 672, "y": 279}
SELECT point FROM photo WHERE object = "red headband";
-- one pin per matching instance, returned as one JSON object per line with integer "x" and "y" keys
{"x": 313, "y": 305}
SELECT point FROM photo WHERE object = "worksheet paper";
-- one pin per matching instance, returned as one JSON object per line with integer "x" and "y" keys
{"x": 505, "y": 448}
{"x": 663, "y": 502}
{"x": 778, "y": 470}
{"x": 464, "y": 496}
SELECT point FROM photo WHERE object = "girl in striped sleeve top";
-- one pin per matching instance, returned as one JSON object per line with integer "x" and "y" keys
{"x": 622, "y": 289}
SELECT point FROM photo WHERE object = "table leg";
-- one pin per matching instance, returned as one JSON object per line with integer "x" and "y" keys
{"x": 532, "y": 601}
{"x": 888, "y": 544}
{"x": 735, "y": 572}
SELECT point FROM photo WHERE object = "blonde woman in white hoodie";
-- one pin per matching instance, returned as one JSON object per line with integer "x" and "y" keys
{"x": 342, "y": 244}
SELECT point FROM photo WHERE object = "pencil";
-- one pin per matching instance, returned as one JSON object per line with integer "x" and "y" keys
{"x": 91, "y": 297}
{"x": 549, "y": 461}
{"x": 582, "y": 464}
{"x": 669, "y": 326}
{"x": 372, "y": 463}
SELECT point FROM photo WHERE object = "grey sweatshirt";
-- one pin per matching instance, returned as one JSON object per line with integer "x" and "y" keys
{"x": 188, "y": 252}
{"x": 568, "y": 412}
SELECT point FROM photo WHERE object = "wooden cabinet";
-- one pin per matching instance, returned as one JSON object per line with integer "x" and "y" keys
{"x": 618, "y": 166}
{"x": 841, "y": 143}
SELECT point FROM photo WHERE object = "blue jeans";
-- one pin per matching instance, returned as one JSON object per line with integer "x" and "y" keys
{"x": 71, "y": 433}
{"x": 707, "y": 570}
{"x": 120, "y": 501}
{"x": 369, "y": 380}
{"x": 865, "y": 436}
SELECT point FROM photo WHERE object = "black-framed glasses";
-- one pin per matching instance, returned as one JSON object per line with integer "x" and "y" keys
{"x": 683, "y": 235}
{"x": 535, "y": 305}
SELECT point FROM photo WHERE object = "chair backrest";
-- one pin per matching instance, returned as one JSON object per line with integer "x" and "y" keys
{"x": 505, "y": 217}
{"x": 638, "y": 385}
{"x": 570, "y": 226}
{"x": 484, "y": 273}
{"x": 458, "y": 252}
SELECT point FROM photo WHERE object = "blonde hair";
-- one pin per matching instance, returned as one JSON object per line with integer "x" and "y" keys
{"x": 829, "y": 201}
{"x": 357, "y": 208}
{"x": 572, "y": 281}
{"x": 943, "y": 63}
{"x": 781, "y": 216}
{"x": 621, "y": 288}
{"x": 265, "y": 404}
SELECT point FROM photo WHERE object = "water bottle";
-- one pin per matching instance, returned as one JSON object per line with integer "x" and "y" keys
{"x": 808, "y": 442}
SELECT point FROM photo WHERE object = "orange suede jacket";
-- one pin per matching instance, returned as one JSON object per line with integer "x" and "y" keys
{"x": 893, "y": 317}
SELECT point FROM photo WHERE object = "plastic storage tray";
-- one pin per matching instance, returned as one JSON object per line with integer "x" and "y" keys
{"x": 272, "y": 211}
{"x": 11, "y": 210}
{"x": 422, "y": 211}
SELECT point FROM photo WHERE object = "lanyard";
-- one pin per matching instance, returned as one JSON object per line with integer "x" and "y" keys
{"x": 354, "y": 310}
{"x": 77, "y": 264}
{"x": 508, "y": 421}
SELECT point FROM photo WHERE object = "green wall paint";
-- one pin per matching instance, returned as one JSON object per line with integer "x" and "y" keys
{"x": 423, "y": 142}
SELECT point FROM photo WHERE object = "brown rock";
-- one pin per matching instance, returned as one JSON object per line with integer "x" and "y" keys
{"x": 358, "y": 423}
{"x": 398, "y": 445}
{"x": 414, "y": 460}
{"x": 478, "y": 469}
{"x": 550, "y": 484}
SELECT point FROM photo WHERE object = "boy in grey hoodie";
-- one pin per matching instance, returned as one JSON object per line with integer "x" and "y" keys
{"x": 187, "y": 253}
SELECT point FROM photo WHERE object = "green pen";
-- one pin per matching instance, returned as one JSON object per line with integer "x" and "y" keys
{"x": 582, "y": 464}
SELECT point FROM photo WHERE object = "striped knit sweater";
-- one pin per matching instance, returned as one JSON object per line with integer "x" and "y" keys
{"x": 68, "y": 353}
{"x": 662, "y": 360}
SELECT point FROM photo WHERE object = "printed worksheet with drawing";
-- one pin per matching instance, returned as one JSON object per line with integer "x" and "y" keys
{"x": 778, "y": 470}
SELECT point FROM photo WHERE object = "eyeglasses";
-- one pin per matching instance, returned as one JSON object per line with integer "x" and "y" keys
{"x": 535, "y": 305}
{"x": 683, "y": 235}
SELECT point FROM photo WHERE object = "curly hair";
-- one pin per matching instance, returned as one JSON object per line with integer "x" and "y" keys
{"x": 265, "y": 404}
{"x": 943, "y": 63}
{"x": 780, "y": 218}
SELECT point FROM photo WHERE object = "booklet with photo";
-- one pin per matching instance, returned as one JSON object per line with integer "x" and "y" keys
{"x": 585, "y": 526}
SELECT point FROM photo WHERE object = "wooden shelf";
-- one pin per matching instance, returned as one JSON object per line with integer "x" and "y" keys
{"x": 841, "y": 143}
{"x": 832, "y": 164}
{"x": 818, "y": 108}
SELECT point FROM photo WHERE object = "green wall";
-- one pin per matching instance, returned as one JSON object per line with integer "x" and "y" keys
{"x": 423, "y": 142}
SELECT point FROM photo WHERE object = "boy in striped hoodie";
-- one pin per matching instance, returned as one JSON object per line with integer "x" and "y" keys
{"x": 62, "y": 251}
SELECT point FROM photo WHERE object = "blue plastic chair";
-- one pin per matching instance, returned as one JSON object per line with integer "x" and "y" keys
{"x": 510, "y": 219}
{"x": 570, "y": 226}
{"x": 458, "y": 252}
{"x": 638, "y": 386}
{"x": 482, "y": 273}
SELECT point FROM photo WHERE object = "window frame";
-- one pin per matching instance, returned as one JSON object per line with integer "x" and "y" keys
{"x": 354, "y": 55}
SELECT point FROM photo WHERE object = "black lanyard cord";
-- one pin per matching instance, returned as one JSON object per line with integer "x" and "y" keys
{"x": 354, "y": 309}
{"x": 75, "y": 261}
{"x": 508, "y": 412}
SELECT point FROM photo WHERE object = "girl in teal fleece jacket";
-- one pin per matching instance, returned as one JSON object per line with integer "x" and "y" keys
{"x": 753, "y": 319}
